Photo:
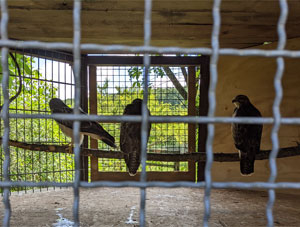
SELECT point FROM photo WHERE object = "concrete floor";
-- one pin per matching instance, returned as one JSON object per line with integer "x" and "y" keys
{"x": 164, "y": 207}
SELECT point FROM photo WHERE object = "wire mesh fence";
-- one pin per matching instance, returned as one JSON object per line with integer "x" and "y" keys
{"x": 42, "y": 79}
{"x": 118, "y": 86}
{"x": 214, "y": 52}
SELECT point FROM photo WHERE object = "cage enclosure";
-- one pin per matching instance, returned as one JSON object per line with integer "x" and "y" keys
{"x": 187, "y": 60}
{"x": 108, "y": 84}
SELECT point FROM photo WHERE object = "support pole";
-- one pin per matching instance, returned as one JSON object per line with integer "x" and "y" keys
{"x": 93, "y": 110}
{"x": 84, "y": 161}
{"x": 203, "y": 110}
{"x": 191, "y": 112}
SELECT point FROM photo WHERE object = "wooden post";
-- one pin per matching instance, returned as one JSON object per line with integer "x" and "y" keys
{"x": 93, "y": 110}
{"x": 203, "y": 110}
{"x": 191, "y": 112}
{"x": 84, "y": 161}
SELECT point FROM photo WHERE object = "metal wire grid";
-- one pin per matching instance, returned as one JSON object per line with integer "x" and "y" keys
{"x": 5, "y": 43}
{"x": 42, "y": 79}
{"x": 117, "y": 87}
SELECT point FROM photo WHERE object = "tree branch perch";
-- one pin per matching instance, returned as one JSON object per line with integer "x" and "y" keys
{"x": 218, "y": 157}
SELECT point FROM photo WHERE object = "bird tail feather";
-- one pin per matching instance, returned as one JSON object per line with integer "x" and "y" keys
{"x": 105, "y": 138}
{"x": 246, "y": 164}
{"x": 133, "y": 162}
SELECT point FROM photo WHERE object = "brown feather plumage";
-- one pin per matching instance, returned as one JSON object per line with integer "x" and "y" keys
{"x": 247, "y": 137}
{"x": 130, "y": 137}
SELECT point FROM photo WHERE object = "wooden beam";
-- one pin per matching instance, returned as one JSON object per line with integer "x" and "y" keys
{"x": 138, "y": 60}
{"x": 203, "y": 110}
{"x": 167, "y": 6}
{"x": 151, "y": 176}
{"x": 93, "y": 110}
{"x": 191, "y": 112}
{"x": 183, "y": 23}
{"x": 84, "y": 160}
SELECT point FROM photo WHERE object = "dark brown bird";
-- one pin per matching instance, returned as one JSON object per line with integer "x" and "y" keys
{"x": 130, "y": 137}
{"x": 246, "y": 137}
{"x": 89, "y": 128}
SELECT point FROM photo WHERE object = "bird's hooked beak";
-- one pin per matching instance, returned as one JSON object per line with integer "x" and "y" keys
{"x": 235, "y": 102}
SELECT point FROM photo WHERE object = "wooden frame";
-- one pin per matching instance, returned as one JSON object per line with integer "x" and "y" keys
{"x": 84, "y": 161}
{"x": 191, "y": 62}
{"x": 203, "y": 110}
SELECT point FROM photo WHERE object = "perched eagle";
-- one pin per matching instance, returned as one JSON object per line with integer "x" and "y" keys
{"x": 130, "y": 137}
{"x": 88, "y": 128}
{"x": 246, "y": 137}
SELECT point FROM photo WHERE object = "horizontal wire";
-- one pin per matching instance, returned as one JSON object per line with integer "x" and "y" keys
{"x": 148, "y": 49}
{"x": 158, "y": 119}
{"x": 137, "y": 184}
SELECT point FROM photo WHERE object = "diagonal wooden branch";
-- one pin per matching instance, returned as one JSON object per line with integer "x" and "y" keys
{"x": 175, "y": 82}
{"x": 218, "y": 157}
{"x": 184, "y": 73}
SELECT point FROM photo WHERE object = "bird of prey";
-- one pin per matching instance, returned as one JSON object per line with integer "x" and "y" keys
{"x": 246, "y": 137}
{"x": 130, "y": 137}
{"x": 89, "y": 128}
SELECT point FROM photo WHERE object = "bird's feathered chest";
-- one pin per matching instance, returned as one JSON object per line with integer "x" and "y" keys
{"x": 246, "y": 134}
{"x": 131, "y": 131}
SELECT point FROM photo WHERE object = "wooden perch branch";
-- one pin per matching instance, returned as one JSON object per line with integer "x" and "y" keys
{"x": 218, "y": 157}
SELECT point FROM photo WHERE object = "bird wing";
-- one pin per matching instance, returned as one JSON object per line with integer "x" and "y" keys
{"x": 130, "y": 139}
{"x": 247, "y": 135}
{"x": 130, "y": 144}
{"x": 90, "y": 128}
{"x": 65, "y": 110}
{"x": 247, "y": 138}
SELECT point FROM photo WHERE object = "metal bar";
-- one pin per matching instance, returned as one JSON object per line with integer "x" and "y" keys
{"x": 203, "y": 110}
{"x": 148, "y": 49}
{"x": 215, "y": 185}
{"x": 191, "y": 112}
{"x": 145, "y": 114}
{"x": 138, "y": 60}
{"x": 84, "y": 161}
{"x": 93, "y": 110}
{"x": 160, "y": 119}
{"x": 76, "y": 124}
{"x": 211, "y": 108}
{"x": 138, "y": 184}
{"x": 5, "y": 112}
{"x": 276, "y": 108}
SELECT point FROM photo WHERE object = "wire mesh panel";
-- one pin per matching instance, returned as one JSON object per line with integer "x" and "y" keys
{"x": 41, "y": 80}
{"x": 118, "y": 86}
{"x": 215, "y": 51}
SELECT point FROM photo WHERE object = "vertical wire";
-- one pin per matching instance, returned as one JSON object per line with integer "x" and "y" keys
{"x": 145, "y": 114}
{"x": 39, "y": 123}
{"x": 5, "y": 111}
{"x": 46, "y": 125}
{"x": 276, "y": 108}
{"x": 76, "y": 125}
{"x": 65, "y": 155}
{"x": 31, "y": 122}
{"x": 212, "y": 106}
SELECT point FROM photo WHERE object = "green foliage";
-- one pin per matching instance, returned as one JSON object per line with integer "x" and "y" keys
{"x": 34, "y": 99}
{"x": 164, "y": 138}
{"x": 136, "y": 75}
{"x": 35, "y": 96}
